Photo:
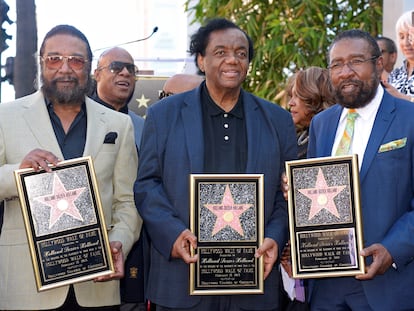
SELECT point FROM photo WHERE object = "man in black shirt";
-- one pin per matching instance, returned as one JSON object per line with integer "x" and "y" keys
{"x": 216, "y": 128}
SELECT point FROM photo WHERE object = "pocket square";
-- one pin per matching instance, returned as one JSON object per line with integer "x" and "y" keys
{"x": 110, "y": 138}
{"x": 395, "y": 144}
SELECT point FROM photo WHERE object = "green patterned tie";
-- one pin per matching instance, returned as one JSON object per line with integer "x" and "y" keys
{"x": 345, "y": 143}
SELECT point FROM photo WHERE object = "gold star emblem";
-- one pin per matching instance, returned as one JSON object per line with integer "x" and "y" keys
{"x": 143, "y": 101}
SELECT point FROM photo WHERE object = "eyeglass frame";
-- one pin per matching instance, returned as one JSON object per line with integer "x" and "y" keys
{"x": 338, "y": 67}
{"x": 123, "y": 64}
{"x": 62, "y": 59}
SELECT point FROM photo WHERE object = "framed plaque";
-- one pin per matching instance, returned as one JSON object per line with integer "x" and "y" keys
{"x": 325, "y": 217}
{"x": 226, "y": 216}
{"x": 64, "y": 223}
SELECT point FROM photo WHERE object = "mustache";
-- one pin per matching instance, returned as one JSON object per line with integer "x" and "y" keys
{"x": 65, "y": 79}
{"x": 350, "y": 81}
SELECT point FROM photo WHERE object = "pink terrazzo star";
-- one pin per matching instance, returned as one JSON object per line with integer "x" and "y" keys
{"x": 322, "y": 196}
{"x": 61, "y": 201}
{"x": 228, "y": 213}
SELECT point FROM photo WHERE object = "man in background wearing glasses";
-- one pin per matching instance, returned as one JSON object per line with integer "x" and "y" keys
{"x": 115, "y": 77}
{"x": 59, "y": 122}
{"x": 389, "y": 55}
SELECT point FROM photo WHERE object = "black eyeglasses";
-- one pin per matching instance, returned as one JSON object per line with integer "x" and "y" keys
{"x": 117, "y": 67}
{"x": 56, "y": 61}
{"x": 164, "y": 94}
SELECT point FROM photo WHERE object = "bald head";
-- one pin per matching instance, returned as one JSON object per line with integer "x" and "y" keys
{"x": 181, "y": 82}
{"x": 115, "y": 77}
{"x": 115, "y": 52}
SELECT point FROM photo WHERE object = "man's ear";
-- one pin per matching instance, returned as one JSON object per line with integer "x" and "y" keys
{"x": 200, "y": 62}
{"x": 96, "y": 74}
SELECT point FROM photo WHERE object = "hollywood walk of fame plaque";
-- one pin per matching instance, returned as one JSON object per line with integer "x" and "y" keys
{"x": 64, "y": 223}
{"x": 325, "y": 217}
{"x": 226, "y": 216}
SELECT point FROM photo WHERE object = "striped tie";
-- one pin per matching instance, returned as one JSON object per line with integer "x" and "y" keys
{"x": 345, "y": 144}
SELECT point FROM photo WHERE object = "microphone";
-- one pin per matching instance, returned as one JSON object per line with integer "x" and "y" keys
{"x": 154, "y": 30}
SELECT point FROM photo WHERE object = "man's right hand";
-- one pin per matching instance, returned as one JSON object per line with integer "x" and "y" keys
{"x": 181, "y": 247}
{"x": 39, "y": 159}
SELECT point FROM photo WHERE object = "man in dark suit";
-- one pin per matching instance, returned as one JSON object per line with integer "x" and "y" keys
{"x": 384, "y": 142}
{"x": 215, "y": 128}
{"x": 115, "y": 77}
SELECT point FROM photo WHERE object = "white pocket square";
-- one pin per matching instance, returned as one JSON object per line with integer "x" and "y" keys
{"x": 395, "y": 144}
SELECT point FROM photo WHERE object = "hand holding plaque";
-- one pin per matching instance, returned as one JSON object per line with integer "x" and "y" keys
{"x": 324, "y": 217}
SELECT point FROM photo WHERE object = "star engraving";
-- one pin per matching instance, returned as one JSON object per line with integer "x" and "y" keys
{"x": 228, "y": 213}
{"x": 143, "y": 101}
{"x": 61, "y": 201}
{"x": 322, "y": 196}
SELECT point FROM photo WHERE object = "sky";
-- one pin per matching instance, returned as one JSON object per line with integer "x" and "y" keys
{"x": 114, "y": 22}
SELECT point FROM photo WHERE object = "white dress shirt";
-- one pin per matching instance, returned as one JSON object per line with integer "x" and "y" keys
{"x": 363, "y": 126}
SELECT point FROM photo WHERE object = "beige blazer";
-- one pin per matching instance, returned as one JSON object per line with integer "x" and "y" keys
{"x": 24, "y": 126}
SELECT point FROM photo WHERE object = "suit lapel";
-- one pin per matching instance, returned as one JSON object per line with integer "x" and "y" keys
{"x": 193, "y": 128}
{"x": 38, "y": 121}
{"x": 381, "y": 124}
{"x": 96, "y": 130}
{"x": 332, "y": 126}
{"x": 253, "y": 128}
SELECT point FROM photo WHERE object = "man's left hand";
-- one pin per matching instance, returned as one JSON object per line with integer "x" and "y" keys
{"x": 118, "y": 259}
{"x": 381, "y": 261}
{"x": 269, "y": 251}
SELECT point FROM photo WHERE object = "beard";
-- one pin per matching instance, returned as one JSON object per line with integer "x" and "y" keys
{"x": 66, "y": 95}
{"x": 364, "y": 92}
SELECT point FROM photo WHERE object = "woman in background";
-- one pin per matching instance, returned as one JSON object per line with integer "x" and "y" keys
{"x": 401, "y": 80}
{"x": 308, "y": 93}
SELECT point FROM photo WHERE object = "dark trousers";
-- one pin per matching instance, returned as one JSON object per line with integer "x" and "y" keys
{"x": 339, "y": 294}
{"x": 1, "y": 214}
{"x": 216, "y": 303}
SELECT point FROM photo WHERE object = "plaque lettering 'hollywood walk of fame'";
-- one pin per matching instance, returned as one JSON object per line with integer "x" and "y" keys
{"x": 64, "y": 223}
{"x": 226, "y": 215}
{"x": 325, "y": 217}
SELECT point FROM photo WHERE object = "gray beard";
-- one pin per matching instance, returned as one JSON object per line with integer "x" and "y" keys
{"x": 72, "y": 96}
{"x": 361, "y": 98}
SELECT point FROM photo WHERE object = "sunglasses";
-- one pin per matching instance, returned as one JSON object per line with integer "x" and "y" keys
{"x": 117, "y": 67}
{"x": 163, "y": 94}
{"x": 56, "y": 61}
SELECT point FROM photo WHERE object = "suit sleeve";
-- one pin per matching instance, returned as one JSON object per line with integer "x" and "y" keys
{"x": 276, "y": 226}
{"x": 126, "y": 223}
{"x": 161, "y": 220}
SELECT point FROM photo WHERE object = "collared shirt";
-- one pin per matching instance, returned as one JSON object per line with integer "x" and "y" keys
{"x": 399, "y": 79}
{"x": 225, "y": 137}
{"x": 363, "y": 126}
{"x": 73, "y": 142}
{"x": 95, "y": 97}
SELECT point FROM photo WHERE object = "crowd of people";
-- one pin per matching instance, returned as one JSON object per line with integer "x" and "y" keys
{"x": 209, "y": 124}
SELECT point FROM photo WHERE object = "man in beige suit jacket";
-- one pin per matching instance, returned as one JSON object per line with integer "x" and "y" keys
{"x": 54, "y": 124}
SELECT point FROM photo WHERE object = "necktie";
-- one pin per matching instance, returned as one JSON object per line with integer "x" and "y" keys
{"x": 345, "y": 143}
{"x": 299, "y": 290}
